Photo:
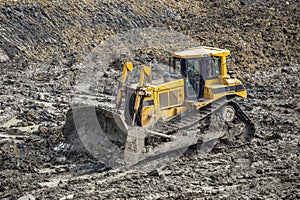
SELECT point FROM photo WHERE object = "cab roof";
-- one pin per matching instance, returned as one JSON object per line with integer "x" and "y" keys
{"x": 197, "y": 52}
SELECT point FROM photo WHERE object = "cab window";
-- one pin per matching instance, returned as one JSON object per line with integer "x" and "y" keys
{"x": 212, "y": 67}
{"x": 217, "y": 66}
{"x": 193, "y": 65}
{"x": 177, "y": 64}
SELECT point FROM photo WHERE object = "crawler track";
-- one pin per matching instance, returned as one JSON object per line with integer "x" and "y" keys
{"x": 194, "y": 119}
{"x": 203, "y": 126}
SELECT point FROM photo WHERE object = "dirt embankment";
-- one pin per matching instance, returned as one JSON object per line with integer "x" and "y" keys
{"x": 259, "y": 34}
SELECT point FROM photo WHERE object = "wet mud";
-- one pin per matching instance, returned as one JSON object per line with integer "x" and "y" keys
{"x": 42, "y": 47}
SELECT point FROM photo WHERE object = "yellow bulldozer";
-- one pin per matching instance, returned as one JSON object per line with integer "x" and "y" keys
{"x": 169, "y": 113}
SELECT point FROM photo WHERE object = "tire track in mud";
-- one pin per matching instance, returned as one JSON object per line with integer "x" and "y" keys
{"x": 59, "y": 177}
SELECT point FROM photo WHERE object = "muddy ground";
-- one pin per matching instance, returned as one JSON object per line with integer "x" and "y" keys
{"x": 43, "y": 46}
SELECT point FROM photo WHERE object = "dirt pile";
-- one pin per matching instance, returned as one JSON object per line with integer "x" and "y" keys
{"x": 259, "y": 34}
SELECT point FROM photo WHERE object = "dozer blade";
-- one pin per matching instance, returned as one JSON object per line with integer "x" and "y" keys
{"x": 97, "y": 131}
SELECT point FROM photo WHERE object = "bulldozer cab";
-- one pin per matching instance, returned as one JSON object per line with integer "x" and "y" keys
{"x": 208, "y": 67}
{"x": 196, "y": 71}
{"x": 204, "y": 70}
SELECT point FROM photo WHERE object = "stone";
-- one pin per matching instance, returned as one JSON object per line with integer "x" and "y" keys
{"x": 3, "y": 56}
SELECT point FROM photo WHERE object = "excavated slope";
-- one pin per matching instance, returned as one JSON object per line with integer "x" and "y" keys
{"x": 259, "y": 34}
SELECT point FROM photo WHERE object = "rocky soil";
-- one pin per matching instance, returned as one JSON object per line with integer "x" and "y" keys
{"x": 43, "y": 51}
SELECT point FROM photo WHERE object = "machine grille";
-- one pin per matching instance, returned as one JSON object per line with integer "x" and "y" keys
{"x": 163, "y": 99}
{"x": 169, "y": 98}
{"x": 174, "y": 97}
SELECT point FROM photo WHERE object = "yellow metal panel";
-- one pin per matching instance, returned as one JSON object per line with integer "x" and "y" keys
{"x": 147, "y": 70}
{"x": 169, "y": 85}
{"x": 208, "y": 93}
{"x": 224, "y": 67}
{"x": 212, "y": 81}
{"x": 229, "y": 81}
{"x": 147, "y": 115}
{"x": 242, "y": 94}
{"x": 129, "y": 66}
